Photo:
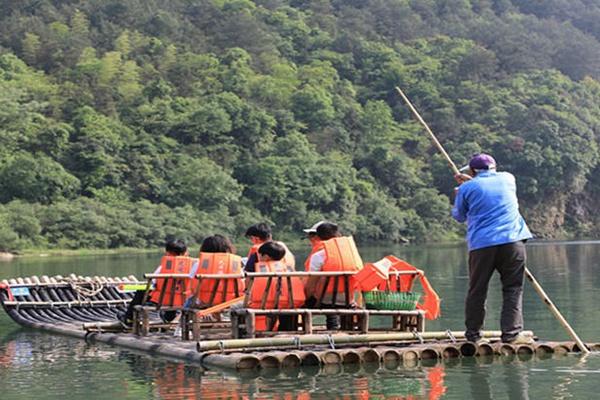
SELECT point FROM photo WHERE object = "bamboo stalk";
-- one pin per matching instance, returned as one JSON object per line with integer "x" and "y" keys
{"x": 232, "y": 361}
{"x": 422, "y": 121}
{"x": 554, "y": 310}
{"x": 337, "y": 339}
{"x": 308, "y": 358}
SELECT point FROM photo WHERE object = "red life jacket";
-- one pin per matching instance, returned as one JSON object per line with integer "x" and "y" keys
{"x": 260, "y": 286}
{"x": 341, "y": 254}
{"x": 178, "y": 290}
{"x": 219, "y": 264}
{"x": 430, "y": 300}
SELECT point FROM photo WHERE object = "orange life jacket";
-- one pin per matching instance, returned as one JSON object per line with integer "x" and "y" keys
{"x": 219, "y": 264}
{"x": 341, "y": 254}
{"x": 260, "y": 286}
{"x": 430, "y": 301}
{"x": 176, "y": 291}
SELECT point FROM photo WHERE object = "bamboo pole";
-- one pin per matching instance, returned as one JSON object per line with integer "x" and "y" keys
{"x": 232, "y": 361}
{"x": 538, "y": 288}
{"x": 559, "y": 348}
{"x": 422, "y": 121}
{"x": 554, "y": 310}
{"x": 368, "y": 355}
{"x": 485, "y": 349}
{"x": 330, "y": 357}
{"x": 308, "y": 358}
{"x": 350, "y": 356}
{"x": 336, "y": 339}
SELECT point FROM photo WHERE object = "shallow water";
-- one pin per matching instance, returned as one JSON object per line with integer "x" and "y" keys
{"x": 40, "y": 365}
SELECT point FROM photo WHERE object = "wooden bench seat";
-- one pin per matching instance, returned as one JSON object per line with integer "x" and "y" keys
{"x": 357, "y": 320}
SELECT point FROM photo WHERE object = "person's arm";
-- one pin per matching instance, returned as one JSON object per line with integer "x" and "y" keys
{"x": 460, "y": 209}
{"x": 249, "y": 267}
{"x": 315, "y": 264}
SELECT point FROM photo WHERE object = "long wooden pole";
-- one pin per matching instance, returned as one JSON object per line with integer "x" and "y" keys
{"x": 538, "y": 288}
{"x": 540, "y": 291}
{"x": 435, "y": 141}
{"x": 338, "y": 339}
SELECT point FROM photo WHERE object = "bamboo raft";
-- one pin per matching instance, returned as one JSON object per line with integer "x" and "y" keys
{"x": 86, "y": 308}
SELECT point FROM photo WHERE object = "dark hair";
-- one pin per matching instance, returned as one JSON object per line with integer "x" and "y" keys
{"x": 328, "y": 230}
{"x": 262, "y": 231}
{"x": 217, "y": 244}
{"x": 176, "y": 246}
{"x": 272, "y": 249}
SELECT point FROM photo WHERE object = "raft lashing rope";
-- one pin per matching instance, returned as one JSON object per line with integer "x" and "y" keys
{"x": 65, "y": 300}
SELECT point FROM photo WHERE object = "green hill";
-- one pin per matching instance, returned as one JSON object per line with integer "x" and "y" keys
{"x": 122, "y": 122}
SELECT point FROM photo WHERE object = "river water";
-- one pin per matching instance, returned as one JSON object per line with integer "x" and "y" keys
{"x": 39, "y": 365}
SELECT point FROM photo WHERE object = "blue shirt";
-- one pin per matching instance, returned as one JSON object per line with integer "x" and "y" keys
{"x": 488, "y": 203}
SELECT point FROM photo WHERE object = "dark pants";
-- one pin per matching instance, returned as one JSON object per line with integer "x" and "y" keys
{"x": 509, "y": 260}
{"x": 332, "y": 322}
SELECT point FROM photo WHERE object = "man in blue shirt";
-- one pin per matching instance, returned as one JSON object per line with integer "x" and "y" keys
{"x": 496, "y": 235}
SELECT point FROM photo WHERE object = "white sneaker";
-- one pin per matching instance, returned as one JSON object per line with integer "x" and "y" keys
{"x": 520, "y": 339}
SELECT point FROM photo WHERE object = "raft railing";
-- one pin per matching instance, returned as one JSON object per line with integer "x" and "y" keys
{"x": 187, "y": 305}
{"x": 354, "y": 318}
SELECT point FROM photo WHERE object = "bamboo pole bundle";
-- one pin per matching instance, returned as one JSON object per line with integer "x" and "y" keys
{"x": 337, "y": 339}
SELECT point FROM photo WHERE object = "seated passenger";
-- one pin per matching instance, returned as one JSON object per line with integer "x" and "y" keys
{"x": 216, "y": 258}
{"x": 258, "y": 235}
{"x": 334, "y": 253}
{"x": 173, "y": 248}
{"x": 271, "y": 258}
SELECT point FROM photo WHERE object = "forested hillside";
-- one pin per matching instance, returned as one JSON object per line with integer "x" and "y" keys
{"x": 124, "y": 121}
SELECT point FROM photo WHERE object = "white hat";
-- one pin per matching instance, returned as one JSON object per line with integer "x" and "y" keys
{"x": 313, "y": 229}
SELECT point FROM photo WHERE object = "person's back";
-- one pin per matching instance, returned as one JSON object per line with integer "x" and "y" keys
{"x": 216, "y": 257}
{"x": 488, "y": 203}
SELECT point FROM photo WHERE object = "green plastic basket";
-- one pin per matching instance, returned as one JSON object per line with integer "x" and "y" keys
{"x": 380, "y": 300}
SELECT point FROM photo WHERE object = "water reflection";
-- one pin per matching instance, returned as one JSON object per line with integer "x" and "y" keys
{"x": 40, "y": 365}
{"x": 177, "y": 381}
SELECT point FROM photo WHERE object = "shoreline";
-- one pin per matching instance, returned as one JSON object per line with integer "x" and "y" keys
{"x": 34, "y": 253}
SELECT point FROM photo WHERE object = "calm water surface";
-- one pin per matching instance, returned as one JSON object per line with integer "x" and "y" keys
{"x": 39, "y": 365}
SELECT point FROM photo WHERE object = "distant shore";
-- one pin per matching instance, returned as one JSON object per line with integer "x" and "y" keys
{"x": 5, "y": 256}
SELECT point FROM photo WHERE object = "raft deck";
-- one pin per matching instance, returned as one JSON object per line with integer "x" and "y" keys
{"x": 86, "y": 308}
